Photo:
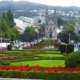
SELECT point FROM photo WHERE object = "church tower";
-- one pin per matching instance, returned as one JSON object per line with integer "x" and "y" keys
{"x": 50, "y": 26}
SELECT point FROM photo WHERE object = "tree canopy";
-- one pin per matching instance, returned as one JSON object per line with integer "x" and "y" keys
{"x": 30, "y": 30}
{"x": 69, "y": 27}
{"x": 7, "y": 26}
{"x": 60, "y": 21}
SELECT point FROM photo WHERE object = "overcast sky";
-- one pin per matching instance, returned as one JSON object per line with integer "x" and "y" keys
{"x": 54, "y": 2}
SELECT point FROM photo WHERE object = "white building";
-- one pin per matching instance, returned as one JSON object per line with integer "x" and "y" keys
{"x": 27, "y": 19}
{"x": 21, "y": 25}
{"x": 4, "y": 43}
{"x": 23, "y": 22}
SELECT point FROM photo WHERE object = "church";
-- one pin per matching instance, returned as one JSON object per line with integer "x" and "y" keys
{"x": 51, "y": 28}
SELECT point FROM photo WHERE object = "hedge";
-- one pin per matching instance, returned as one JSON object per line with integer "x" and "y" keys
{"x": 40, "y": 75}
{"x": 73, "y": 59}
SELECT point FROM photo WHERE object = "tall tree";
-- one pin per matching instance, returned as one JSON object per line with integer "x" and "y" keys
{"x": 30, "y": 30}
{"x": 7, "y": 27}
{"x": 10, "y": 18}
{"x": 68, "y": 32}
{"x": 69, "y": 27}
{"x": 60, "y": 22}
{"x": 29, "y": 34}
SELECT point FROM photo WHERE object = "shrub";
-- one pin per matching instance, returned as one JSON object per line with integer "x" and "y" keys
{"x": 73, "y": 60}
{"x": 66, "y": 48}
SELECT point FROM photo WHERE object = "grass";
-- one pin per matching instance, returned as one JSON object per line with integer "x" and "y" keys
{"x": 43, "y": 63}
{"x": 42, "y": 57}
{"x": 50, "y": 55}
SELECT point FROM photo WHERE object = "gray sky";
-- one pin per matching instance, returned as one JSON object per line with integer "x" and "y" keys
{"x": 54, "y": 2}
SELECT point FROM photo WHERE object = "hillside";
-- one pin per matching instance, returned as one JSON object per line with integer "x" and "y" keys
{"x": 24, "y": 7}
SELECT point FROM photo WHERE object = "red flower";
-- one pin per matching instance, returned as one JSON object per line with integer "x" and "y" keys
{"x": 36, "y": 68}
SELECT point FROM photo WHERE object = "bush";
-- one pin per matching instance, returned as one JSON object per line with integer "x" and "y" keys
{"x": 73, "y": 60}
{"x": 66, "y": 48}
{"x": 40, "y": 75}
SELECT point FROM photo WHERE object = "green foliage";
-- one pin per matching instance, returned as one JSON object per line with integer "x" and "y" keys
{"x": 7, "y": 28}
{"x": 68, "y": 33}
{"x": 14, "y": 33}
{"x": 30, "y": 30}
{"x": 60, "y": 21}
{"x": 67, "y": 48}
{"x": 69, "y": 27}
{"x": 10, "y": 18}
{"x": 4, "y": 63}
{"x": 73, "y": 59}
{"x": 40, "y": 75}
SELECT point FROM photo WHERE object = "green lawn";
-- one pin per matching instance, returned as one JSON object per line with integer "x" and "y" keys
{"x": 40, "y": 57}
{"x": 43, "y": 63}
{"x": 50, "y": 55}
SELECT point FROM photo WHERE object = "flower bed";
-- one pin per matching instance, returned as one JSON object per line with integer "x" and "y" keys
{"x": 39, "y": 69}
{"x": 37, "y": 72}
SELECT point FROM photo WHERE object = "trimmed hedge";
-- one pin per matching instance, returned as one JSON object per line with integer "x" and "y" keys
{"x": 41, "y": 75}
{"x": 4, "y": 62}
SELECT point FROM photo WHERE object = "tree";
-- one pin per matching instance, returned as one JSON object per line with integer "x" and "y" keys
{"x": 65, "y": 37}
{"x": 30, "y": 30}
{"x": 10, "y": 18}
{"x": 42, "y": 30}
{"x": 60, "y": 21}
{"x": 14, "y": 33}
{"x": 30, "y": 33}
{"x": 69, "y": 27}
{"x": 7, "y": 26}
